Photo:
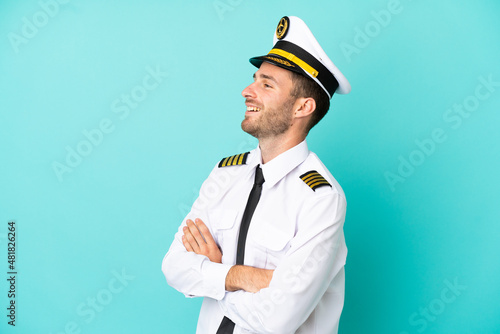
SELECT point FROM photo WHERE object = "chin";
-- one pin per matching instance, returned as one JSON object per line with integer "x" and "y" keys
{"x": 249, "y": 129}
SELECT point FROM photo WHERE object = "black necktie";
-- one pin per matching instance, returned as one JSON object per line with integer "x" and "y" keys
{"x": 227, "y": 326}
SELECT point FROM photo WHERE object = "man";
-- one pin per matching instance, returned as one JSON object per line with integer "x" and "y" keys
{"x": 264, "y": 243}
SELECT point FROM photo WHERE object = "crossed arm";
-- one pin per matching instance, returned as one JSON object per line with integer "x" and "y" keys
{"x": 267, "y": 301}
{"x": 197, "y": 239}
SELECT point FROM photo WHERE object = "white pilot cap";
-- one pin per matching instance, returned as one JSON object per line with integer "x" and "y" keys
{"x": 296, "y": 49}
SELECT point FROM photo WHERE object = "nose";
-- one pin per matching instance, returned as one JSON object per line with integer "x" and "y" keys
{"x": 248, "y": 91}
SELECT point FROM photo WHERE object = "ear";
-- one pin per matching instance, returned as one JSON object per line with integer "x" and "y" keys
{"x": 304, "y": 107}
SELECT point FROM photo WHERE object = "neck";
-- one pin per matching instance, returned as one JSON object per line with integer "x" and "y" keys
{"x": 271, "y": 147}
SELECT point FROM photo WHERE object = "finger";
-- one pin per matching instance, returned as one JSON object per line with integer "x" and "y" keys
{"x": 205, "y": 231}
{"x": 196, "y": 233}
{"x": 190, "y": 239}
{"x": 186, "y": 244}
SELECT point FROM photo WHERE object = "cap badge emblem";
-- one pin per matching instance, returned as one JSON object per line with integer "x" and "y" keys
{"x": 282, "y": 28}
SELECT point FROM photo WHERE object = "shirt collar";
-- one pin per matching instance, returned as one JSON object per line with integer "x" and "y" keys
{"x": 281, "y": 165}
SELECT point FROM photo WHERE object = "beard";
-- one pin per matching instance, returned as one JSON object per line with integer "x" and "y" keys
{"x": 271, "y": 122}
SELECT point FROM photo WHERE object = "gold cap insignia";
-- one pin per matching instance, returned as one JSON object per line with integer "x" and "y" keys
{"x": 281, "y": 61}
{"x": 234, "y": 160}
{"x": 282, "y": 28}
{"x": 314, "y": 180}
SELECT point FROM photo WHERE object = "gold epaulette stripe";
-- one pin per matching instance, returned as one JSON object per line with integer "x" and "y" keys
{"x": 242, "y": 157}
{"x": 314, "y": 180}
{"x": 234, "y": 160}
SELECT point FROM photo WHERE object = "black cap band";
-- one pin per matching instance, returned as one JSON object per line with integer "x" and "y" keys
{"x": 324, "y": 75}
{"x": 292, "y": 57}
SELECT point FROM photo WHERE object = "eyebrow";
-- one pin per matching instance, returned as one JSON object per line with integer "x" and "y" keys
{"x": 265, "y": 76}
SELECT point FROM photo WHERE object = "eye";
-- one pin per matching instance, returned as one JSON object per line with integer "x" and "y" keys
{"x": 267, "y": 86}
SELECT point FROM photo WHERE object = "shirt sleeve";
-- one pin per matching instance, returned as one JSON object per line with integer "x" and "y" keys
{"x": 192, "y": 274}
{"x": 316, "y": 256}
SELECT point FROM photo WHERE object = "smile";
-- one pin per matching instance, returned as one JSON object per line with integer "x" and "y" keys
{"x": 253, "y": 109}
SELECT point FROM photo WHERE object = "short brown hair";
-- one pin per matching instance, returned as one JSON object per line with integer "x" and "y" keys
{"x": 307, "y": 87}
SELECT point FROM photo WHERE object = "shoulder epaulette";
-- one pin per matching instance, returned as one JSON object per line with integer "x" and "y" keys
{"x": 234, "y": 160}
{"x": 314, "y": 180}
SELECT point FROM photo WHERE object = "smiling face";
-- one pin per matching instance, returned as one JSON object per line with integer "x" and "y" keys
{"x": 269, "y": 104}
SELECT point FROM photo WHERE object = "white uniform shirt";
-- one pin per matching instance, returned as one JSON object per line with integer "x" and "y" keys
{"x": 295, "y": 230}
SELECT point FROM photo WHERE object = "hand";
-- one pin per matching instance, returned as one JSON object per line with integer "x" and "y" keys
{"x": 197, "y": 239}
{"x": 249, "y": 279}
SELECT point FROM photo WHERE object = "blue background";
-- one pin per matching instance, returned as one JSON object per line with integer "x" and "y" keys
{"x": 411, "y": 233}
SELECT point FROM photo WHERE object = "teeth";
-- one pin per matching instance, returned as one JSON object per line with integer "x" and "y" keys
{"x": 253, "y": 109}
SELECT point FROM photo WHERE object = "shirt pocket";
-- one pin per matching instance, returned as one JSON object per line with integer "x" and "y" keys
{"x": 269, "y": 245}
{"x": 223, "y": 222}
